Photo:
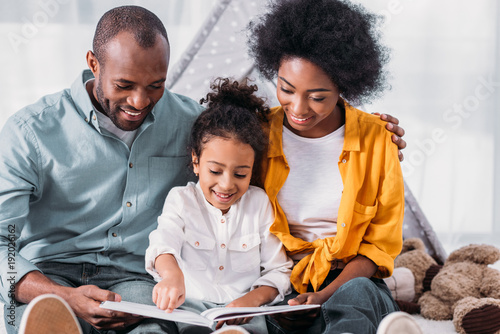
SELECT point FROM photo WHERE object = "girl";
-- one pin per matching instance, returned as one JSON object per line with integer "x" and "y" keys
{"x": 213, "y": 246}
{"x": 331, "y": 171}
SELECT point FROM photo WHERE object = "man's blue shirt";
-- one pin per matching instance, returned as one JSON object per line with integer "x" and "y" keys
{"x": 71, "y": 193}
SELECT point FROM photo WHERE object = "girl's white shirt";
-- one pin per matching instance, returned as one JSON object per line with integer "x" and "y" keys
{"x": 222, "y": 256}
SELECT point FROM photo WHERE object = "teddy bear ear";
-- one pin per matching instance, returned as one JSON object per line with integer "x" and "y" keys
{"x": 480, "y": 254}
{"x": 413, "y": 244}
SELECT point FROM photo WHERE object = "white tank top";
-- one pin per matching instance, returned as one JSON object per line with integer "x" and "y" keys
{"x": 311, "y": 194}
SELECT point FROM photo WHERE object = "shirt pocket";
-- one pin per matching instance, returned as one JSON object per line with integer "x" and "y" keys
{"x": 197, "y": 251}
{"x": 363, "y": 214}
{"x": 244, "y": 252}
{"x": 366, "y": 210}
{"x": 164, "y": 173}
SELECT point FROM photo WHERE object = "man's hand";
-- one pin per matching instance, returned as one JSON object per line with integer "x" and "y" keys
{"x": 398, "y": 132}
{"x": 84, "y": 300}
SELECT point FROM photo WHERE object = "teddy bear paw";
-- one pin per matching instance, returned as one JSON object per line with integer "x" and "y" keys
{"x": 477, "y": 315}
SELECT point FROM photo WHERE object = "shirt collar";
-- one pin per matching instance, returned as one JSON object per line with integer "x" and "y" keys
{"x": 351, "y": 136}
{"x": 210, "y": 208}
{"x": 276, "y": 132}
{"x": 81, "y": 97}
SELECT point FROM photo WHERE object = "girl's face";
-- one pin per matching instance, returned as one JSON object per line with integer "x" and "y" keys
{"x": 225, "y": 169}
{"x": 309, "y": 98}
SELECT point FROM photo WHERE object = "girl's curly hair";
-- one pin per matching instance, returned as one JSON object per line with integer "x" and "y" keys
{"x": 233, "y": 111}
{"x": 339, "y": 37}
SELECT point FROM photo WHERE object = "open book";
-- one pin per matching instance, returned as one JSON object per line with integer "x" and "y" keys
{"x": 206, "y": 318}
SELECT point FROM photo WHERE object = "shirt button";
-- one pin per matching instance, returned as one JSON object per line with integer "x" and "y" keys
{"x": 94, "y": 118}
{"x": 114, "y": 235}
{"x": 343, "y": 224}
{"x": 223, "y": 246}
{"x": 221, "y": 268}
{"x": 244, "y": 246}
{"x": 131, "y": 165}
{"x": 223, "y": 220}
{"x": 86, "y": 120}
{"x": 129, "y": 204}
{"x": 344, "y": 161}
{"x": 196, "y": 243}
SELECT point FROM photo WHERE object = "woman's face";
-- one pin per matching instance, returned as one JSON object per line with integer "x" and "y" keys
{"x": 309, "y": 98}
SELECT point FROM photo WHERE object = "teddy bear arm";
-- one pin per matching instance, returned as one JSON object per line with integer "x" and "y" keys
{"x": 431, "y": 307}
{"x": 490, "y": 286}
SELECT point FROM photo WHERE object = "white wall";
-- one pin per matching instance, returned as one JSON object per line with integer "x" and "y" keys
{"x": 444, "y": 88}
{"x": 44, "y": 42}
{"x": 445, "y": 92}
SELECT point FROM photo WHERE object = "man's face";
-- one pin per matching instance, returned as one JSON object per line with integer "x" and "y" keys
{"x": 131, "y": 80}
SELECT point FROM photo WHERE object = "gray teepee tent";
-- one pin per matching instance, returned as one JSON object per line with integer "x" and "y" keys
{"x": 219, "y": 49}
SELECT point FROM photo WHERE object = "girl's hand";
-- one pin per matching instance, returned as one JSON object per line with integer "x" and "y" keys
{"x": 243, "y": 301}
{"x": 237, "y": 321}
{"x": 255, "y": 298}
{"x": 169, "y": 294}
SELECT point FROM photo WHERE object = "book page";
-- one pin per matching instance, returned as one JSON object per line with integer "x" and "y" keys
{"x": 226, "y": 313}
{"x": 206, "y": 318}
{"x": 154, "y": 312}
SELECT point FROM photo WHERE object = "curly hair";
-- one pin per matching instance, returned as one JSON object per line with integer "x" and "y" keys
{"x": 139, "y": 21}
{"x": 233, "y": 111}
{"x": 339, "y": 37}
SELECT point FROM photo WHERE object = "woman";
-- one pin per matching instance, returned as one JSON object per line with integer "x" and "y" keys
{"x": 332, "y": 172}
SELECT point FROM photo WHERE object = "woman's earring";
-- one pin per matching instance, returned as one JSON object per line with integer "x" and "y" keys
{"x": 196, "y": 174}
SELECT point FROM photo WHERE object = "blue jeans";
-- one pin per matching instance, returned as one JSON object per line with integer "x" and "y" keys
{"x": 130, "y": 286}
{"x": 255, "y": 326}
{"x": 356, "y": 307}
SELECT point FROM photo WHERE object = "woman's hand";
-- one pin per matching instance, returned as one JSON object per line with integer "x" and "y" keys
{"x": 398, "y": 132}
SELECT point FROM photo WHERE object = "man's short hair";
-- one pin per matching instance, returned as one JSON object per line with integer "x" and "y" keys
{"x": 140, "y": 22}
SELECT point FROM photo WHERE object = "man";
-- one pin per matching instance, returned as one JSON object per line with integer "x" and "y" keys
{"x": 84, "y": 174}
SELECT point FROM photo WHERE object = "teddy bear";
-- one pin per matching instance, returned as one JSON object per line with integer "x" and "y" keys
{"x": 464, "y": 289}
{"x": 414, "y": 256}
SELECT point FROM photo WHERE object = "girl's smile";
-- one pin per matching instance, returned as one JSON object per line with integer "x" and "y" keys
{"x": 224, "y": 169}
